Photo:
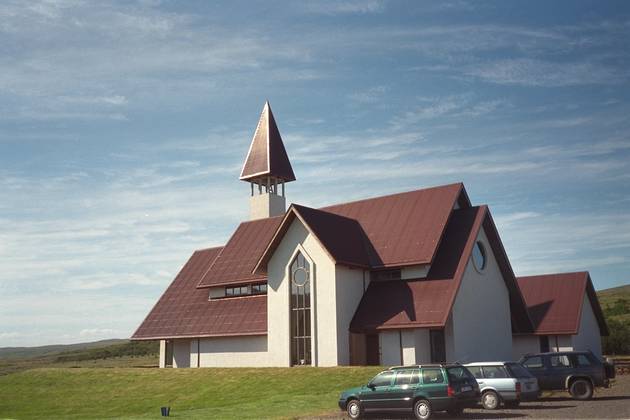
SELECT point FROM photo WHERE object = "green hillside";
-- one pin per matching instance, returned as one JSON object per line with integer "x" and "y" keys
{"x": 108, "y": 353}
{"x": 615, "y": 303}
{"x": 28, "y": 352}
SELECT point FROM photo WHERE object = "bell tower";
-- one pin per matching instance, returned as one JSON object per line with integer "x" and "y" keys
{"x": 267, "y": 169}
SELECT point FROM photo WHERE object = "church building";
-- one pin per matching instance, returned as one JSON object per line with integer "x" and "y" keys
{"x": 414, "y": 277}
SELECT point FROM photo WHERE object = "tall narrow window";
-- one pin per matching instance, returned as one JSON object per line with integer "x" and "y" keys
{"x": 300, "y": 311}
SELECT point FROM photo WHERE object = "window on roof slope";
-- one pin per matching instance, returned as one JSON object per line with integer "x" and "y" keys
{"x": 385, "y": 275}
{"x": 253, "y": 289}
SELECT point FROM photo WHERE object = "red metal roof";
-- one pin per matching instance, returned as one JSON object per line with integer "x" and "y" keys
{"x": 555, "y": 302}
{"x": 185, "y": 311}
{"x": 341, "y": 237}
{"x": 425, "y": 302}
{"x": 405, "y": 228}
{"x": 267, "y": 155}
{"x": 236, "y": 262}
{"x": 428, "y": 302}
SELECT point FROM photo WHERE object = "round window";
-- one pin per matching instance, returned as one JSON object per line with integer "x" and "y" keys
{"x": 479, "y": 256}
{"x": 300, "y": 276}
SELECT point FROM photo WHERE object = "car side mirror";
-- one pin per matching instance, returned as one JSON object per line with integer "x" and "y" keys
{"x": 371, "y": 386}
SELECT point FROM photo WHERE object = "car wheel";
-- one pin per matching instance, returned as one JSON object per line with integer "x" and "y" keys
{"x": 422, "y": 409}
{"x": 455, "y": 412}
{"x": 581, "y": 389}
{"x": 354, "y": 409}
{"x": 512, "y": 404}
{"x": 490, "y": 400}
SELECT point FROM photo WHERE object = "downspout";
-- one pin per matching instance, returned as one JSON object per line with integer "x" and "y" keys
{"x": 198, "y": 353}
{"x": 402, "y": 361}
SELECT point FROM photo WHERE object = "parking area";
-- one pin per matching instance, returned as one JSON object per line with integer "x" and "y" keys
{"x": 611, "y": 403}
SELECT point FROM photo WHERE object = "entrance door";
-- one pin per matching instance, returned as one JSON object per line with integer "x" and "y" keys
{"x": 438, "y": 346}
{"x": 371, "y": 349}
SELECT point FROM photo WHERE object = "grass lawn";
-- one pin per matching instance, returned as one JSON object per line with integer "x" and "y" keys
{"x": 191, "y": 393}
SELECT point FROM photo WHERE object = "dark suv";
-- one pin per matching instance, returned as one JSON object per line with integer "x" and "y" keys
{"x": 579, "y": 372}
{"x": 423, "y": 389}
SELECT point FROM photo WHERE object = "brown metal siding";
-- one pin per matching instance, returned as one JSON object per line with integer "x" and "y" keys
{"x": 554, "y": 301}
{"x": 185, "y": 311}
{"x": 425, "y": 302}
{"x": 237, "y": 260}
{"x": 267, "y": 155}
{"x": 403, "y": 228}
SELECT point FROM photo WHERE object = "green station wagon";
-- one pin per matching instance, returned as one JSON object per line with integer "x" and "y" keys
{"x": 421, "y": 388}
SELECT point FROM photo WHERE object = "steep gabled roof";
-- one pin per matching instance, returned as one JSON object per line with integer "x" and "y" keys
{"x": 237, "y": 260}
{"x": 342, "y": 238}
{"x": 267, "y": 155}
{"x": 185, "y": 311}
{"x": 555, "y": 302}
{"x": 428, "y": 302}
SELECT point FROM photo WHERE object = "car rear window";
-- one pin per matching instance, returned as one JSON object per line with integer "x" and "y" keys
{"x": 458, "y": 373}
{"x": 518, "y": 371}
{"x": 561, "y": 360}
{"x": 476, "y": 371}
{"x": 494, "y": 372}
{"x": 432, "y": 376}
{"x": 533, "y": 363}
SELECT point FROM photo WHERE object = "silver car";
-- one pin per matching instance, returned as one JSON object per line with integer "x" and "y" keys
{"x": 504, "y": 382}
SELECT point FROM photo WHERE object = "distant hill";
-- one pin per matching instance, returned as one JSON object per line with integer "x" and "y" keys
{"x": 40, "y": 351}
{"x": 105, "y": 353}
{"x": 616, "y": 302}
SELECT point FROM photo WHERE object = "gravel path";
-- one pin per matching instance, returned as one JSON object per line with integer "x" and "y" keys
{"x": 611, "y": 403}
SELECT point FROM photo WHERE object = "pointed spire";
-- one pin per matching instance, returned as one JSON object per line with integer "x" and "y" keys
{"x": 267, "y": 156}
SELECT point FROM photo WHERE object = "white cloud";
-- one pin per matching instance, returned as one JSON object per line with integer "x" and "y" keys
{"x": 535, "y": 72}
{"x": 345, "y": 7}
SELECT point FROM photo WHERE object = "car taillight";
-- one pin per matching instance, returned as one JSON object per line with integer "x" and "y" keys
{"x": 450, "y": 391}
{"x": 518, "y": 389}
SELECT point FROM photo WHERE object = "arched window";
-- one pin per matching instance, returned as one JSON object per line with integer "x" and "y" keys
{"x": 300, "y": 274}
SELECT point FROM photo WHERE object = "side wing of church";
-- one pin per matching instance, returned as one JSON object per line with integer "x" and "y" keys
{"x": 414, "y": 277}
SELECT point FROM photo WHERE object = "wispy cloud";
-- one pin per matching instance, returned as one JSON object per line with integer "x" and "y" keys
{"x": 539, "y": 73}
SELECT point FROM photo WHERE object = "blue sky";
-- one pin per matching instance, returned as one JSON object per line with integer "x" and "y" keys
{"x": 123, "y": 127}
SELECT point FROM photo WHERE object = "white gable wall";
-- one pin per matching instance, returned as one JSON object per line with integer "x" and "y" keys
{"x": 245, "y": 351}
{"x": 523, "y": 344}
{"x": 481, "y": 327}
{"x": 588, "y": 336}
{"x": 323, "y": 292}
{"x": 350, "y": 285}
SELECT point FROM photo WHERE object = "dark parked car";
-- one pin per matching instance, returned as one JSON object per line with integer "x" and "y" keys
{"x": 423, "y": 389}
{"x": 578, "y": 372}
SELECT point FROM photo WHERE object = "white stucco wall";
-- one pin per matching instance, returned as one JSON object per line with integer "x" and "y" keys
{"x": 523, "y": 344}
{"x": 408, "y": 341}
{"x": 323, "y": 295}
{"x": 481, "y": 313}
{"x": 162, "y": 360}
{"x": 349, "y": 291}
{"x": 266, "y": 205}
{"x": 414, "y": 272}
{"x": 181, "y": 353}
{"x": 588, "y": 337}
{"x": 245, "y": 351}
{"x": 389, "y": 342}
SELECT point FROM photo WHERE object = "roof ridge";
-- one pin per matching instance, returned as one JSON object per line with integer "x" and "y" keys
{"x": 461, "y": 184}
{"x": 585, "y": 272}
